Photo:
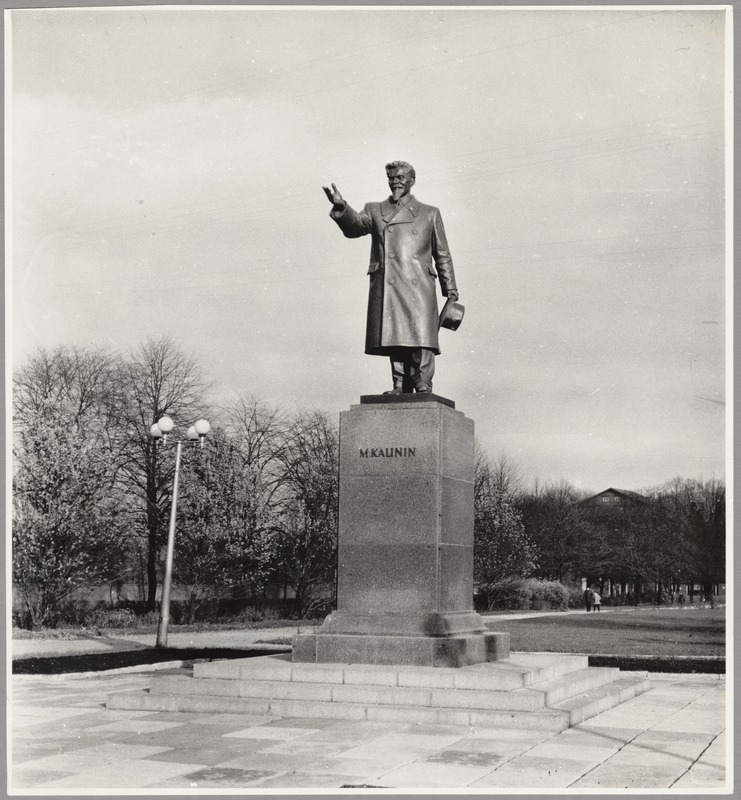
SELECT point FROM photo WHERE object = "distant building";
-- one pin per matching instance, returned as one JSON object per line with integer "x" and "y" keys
{"x": 613, "y": 498}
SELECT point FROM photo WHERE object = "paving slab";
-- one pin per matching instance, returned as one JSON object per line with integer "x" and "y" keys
{"x": 701, "y": 776}
{"x": 559, "y": 750}
{"x": 630, "y": 776}
{"x": 354, "y": 732}
{"x": 216, "y": 777}
{"x": 281, "y": 733}
{"x": 686, "y": 744}
{"x": 64, "y": 738}
{"x": 533, "y": 773}
{"x": 498, "y": 747}
{"x": 28, "y": 778}
{"x": 352, "y": 771}
{"x": 468, "y": 758}
{"x": 136, "y": 774}
{"x": 431, "y": 775}
{"x": 309, "y": 780}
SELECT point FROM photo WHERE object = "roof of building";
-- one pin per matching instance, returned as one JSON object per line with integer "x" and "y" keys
{"x": 628, "y": 495}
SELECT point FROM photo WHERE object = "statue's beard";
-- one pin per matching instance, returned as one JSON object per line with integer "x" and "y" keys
{"x": 397, "y": 193}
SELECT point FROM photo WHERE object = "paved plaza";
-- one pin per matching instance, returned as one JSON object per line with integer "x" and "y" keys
{"x": 64, "y": 738}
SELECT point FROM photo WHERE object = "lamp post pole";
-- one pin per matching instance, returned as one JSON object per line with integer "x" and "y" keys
{"x": 167, "y": 584}
{"x": 160, "y": 431}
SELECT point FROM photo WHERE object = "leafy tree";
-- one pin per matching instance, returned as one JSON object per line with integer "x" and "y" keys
{"x": 307, "y": 519}
{"x": 224, "y": 545}
{"x": 68, "y": 520}
{"x": 502, "y": 548}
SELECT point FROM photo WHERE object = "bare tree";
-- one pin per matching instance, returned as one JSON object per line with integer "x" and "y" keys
{"x": 698, "y": 511}
{"x": 499, "y": 477}
{"x": 556, "y": 522}
{"x": 156, "y": 379}
{"x": 259, "y": 431}
{"x": 82, "y": 379}
{"x": 506, "y": 479}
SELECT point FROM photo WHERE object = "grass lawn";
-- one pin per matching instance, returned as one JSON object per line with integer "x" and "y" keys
{"x": 623, "y": 632}
{"x": 78, "y": 632}
{"x": 645, "y": 631}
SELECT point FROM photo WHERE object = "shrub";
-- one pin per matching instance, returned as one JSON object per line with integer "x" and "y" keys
{"x": 148, "y": 618}
{"x": 72, "y": 613}
{"x": 22, "y": 619}
{"x": 523, "y": 594}
{"x": 252, "y": 614}
{"x": 575, "y": 597}
{"x": 549, "y": 595}
{"x": 103, "y": 617}
{"x": 613, "y": 600}
{"x": 509, "y": 593}
{"x": 138, "y": 607}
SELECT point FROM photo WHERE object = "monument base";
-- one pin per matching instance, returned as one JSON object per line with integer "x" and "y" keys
{"x": 418, "y": 651}
{"x": 405, "y": 541}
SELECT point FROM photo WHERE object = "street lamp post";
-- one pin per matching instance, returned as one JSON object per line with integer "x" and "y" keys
{"x": 160, "y": 431}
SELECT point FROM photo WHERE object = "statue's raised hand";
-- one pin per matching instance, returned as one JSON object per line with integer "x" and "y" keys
{"x": 333, "y": 195}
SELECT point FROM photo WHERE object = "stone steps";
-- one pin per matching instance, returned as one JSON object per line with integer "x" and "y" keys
{"x": 545, "y": 719}
{"x": 517, "y": 700}
{"x": 564, "y": 687}
{"x": 583, "y": 706}
{"x": 506, "y": 675}
{"x": 547, "y": 691}
{"x": 539, "y": 695}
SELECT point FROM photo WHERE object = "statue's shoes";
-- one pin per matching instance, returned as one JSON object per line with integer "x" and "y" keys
{"x": 423, "y": 390}
{"x": 395, "y": 391}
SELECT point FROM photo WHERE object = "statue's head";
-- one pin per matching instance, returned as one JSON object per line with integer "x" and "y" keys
{"x": 401, "y": 177}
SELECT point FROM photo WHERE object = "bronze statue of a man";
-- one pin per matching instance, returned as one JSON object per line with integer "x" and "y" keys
{"x": 408, "y": 252}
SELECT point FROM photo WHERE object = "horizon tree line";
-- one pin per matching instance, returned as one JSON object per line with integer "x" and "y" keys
{"x": 258, "y": 505}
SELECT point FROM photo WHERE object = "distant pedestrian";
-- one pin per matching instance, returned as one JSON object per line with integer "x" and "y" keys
{"x": 588, "y": 598}
{"x": 597, "y": 601}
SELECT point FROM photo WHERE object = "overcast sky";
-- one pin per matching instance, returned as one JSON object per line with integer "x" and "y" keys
{"x": 166, "y": 178}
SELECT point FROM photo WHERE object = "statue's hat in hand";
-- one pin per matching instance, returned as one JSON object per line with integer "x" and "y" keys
{"x": 452, "y": 314}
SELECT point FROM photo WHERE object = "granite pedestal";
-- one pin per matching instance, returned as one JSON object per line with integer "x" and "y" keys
{"x": 405, "y": 549}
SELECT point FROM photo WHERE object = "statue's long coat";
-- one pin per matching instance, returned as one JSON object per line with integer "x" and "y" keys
{"x": 408, "y": 252}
